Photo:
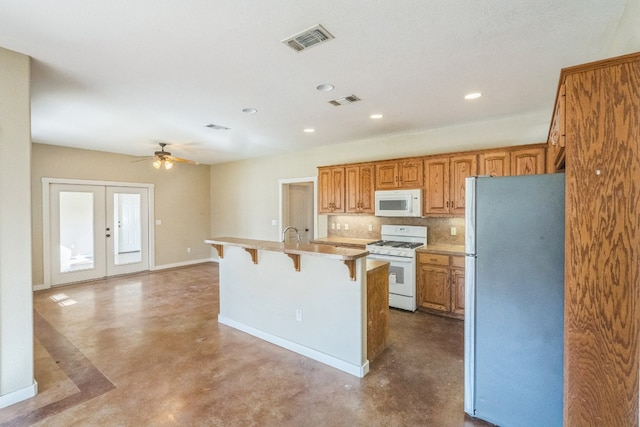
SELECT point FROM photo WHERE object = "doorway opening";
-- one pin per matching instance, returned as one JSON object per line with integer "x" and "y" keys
{"x": 94, "y": 229}
{"x": 298, "y": 208}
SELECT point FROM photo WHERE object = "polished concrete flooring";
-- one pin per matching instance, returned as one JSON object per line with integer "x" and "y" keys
{"x": 147, "y": 350}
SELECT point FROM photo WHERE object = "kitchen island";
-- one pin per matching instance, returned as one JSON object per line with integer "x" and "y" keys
{"x": 311, "y": 299}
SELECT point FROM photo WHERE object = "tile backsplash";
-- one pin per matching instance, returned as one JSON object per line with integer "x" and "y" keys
{"x": 357, "y": 226}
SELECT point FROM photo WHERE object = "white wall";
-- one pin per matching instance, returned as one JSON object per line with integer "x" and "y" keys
{"x": 16, "y": 300}
{"x": 626, "y": 38}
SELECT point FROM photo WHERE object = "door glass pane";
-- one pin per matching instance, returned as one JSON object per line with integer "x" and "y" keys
{"x": 128, "y": 233}
{"x": 76, "y": 231}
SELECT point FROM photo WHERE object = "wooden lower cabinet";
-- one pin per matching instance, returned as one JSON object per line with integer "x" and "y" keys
{"x": 377, "y": 307}
{"x": 440, "y": 284}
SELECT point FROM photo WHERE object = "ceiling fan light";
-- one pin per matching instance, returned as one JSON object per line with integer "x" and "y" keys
{"x": 167, "y": 164}
{"x": 157, "y": 164}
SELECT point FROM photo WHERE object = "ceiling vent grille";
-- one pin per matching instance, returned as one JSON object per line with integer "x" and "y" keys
{"x": 216, "y": 127}
{"x": 344, "y": 100}
{"x": 308, "y": 38}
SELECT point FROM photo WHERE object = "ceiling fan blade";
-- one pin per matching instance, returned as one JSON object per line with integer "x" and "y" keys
{"x": 178, "y": 159}
{"x": 142, "y": 159}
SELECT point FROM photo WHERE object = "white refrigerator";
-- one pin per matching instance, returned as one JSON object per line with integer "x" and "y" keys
{"x": 514, "y": 299}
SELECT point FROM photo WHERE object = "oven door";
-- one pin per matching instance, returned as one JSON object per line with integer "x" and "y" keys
{"x": 401, "y": 274}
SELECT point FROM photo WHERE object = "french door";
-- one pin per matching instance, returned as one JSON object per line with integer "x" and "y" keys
{"x": 97, "y": 231}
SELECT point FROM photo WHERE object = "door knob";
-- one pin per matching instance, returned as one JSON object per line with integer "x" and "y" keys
{"x": 108, "y": 235}
{"x": 108, "y": 229}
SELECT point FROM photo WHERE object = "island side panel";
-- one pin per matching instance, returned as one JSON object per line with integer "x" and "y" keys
{"x": 265, "y": 296}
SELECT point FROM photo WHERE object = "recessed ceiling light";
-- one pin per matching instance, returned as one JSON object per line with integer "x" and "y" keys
{"x": 376, "y": 116}
{"x": 325, "y": 87}
{"x": 309, "y": 130}
{"x": 249, "y": 110}
{"x": 473, "y": 95}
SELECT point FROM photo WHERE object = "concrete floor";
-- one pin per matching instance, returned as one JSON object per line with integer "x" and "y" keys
{"x": 147, "y": 350}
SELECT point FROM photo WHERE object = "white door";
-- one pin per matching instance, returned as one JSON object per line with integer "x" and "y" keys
{"x": 77, "y": 233}
{"x": 85, "y": 237}
{"x": 300, "y": 211}
{"x": 127, "y": 230}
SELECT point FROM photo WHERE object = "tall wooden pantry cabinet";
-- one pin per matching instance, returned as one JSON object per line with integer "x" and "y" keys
{"x": 599, "y": 106}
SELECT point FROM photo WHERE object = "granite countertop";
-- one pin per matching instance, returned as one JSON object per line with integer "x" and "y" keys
{"x": 344, "y": 241}
{"x": 443, "y": 249}
{"x": 341, "y": 253}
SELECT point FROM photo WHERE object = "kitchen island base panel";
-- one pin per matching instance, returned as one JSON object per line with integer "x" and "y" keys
{"x": 316, "y": 311}
{"x": 358, "y": 371}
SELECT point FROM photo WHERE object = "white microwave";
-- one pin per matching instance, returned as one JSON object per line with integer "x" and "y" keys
{"x": 398, "y": 203}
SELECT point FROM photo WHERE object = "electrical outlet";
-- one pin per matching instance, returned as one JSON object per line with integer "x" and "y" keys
{"x": 454, "y": 231}
{"x": 333, "y": 225}
{"x": 299, "y": 315}
{"x": 337, "y": 226}
{"x": 346, "y": 226}
{"x": 274, "y": 222}
{"x": 188, "y": 250}
{"x": 370, "y": 227}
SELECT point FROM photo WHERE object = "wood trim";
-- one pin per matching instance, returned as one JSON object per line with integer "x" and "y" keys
{"x": 296, "y": 261}
{"x": 253, "y": 253}
{"x": 219, "y": 249}
{"x": 351, "y": 265}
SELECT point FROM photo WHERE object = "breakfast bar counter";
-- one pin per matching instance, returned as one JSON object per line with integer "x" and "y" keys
{"x": 301, "y": 297}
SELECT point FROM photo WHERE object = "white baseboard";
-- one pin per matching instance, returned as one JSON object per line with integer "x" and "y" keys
{"x": 19, "y": 395}
{"x": 154, "y": 268}
{"x": 182, "y": 264}
{"x": 358, "y": 371}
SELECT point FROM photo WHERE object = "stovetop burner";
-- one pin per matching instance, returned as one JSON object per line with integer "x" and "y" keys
{"x": 395, "y": 244}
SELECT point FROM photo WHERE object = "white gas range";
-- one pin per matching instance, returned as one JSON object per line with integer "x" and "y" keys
{"x": 398, "y": 246}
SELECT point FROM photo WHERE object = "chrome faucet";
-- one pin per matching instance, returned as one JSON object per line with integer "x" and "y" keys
{"x": 284, "y": 232}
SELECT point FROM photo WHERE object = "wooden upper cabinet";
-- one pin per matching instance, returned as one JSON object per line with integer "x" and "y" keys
{"x": 411, "y": 173}
{"x": 495, "y": 163}
{"x": 556, "y": 141}
{"x": 436, "y": 196}
{"x": 399, "y": 174}
{"x": 359, "y": 188}
{"x": 528, "y": 161}
{"x": 386, "y": 175}
{"x": 445, "y": 186}
{"x": 461, "y": 168}
{"x": 331, "y": 185}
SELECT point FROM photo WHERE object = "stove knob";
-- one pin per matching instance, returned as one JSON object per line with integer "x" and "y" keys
{"x": 395, "y": 253}
{"x": 384, "y": 251}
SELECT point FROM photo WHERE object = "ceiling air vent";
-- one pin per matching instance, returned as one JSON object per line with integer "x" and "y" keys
{"x": 308, "y": 38}
{"x": 216, "y": 127}
{"x": 344, "y": 100}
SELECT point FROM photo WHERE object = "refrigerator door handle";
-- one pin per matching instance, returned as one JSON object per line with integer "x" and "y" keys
{"x": 469, "y": 334}
{"x": 470, "y": 216}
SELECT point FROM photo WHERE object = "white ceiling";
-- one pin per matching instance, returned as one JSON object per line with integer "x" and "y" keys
{"x": 123, "y": 75}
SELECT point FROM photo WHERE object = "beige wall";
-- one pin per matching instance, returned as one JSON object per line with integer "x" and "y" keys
{"x": 244, "y": 194}
{"x": 181, "y": 198}
{"x": 626, "y": 38}
{"x": 16, "y": 300}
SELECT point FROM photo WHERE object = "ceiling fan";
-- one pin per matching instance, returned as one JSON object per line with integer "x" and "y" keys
{"x": 164, "y": 160}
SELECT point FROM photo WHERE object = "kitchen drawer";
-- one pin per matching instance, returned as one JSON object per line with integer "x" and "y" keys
{"x": 457, "y": 261}
{"x": 425, "y": 258}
